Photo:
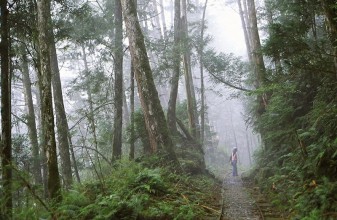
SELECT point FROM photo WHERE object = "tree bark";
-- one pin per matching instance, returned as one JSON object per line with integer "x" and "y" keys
{"x": 171, "y": 111}
{"x": 258, "y": 63}
{"x": 191, "y": 100}
{"x": 61, "y": 118}
{"x": 47, "y": 115}
{"x": 32, "y": 132}
{"x": 6, "y": 135}
{"x": 132, "y": 113}
{"x": 154, "y": 116}
{"x": 118, "y": 62}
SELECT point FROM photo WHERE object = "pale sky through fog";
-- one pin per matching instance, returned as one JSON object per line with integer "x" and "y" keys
{"x": 224, "y": 25}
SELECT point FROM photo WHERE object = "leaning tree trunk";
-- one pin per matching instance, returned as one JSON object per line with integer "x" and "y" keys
{"x": 61, "y": 118}
{"x": 5, "y": 142}
{"x": 118, "y": 62}
{"x": 154, "y": 116}
{"x": 32, "y": 132}
{"x": 171, "y": 111}
{"x": 47, "y": 115}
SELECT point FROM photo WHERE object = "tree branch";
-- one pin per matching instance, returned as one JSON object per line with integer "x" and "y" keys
{"x": 229, "y": 84}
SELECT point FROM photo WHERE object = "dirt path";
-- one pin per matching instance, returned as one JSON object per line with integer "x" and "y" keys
{"x": 236, "y": 202}
{"x": 240, "y": 204}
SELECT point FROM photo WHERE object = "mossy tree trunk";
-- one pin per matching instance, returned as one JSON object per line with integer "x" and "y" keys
{"x": 47, "y": 114}
{"x": 154, "y": 116}
{"x": 5, "y": 142}
{"x": 118, "y": 63}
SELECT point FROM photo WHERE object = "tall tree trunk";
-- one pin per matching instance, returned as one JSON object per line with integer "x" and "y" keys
{"x": 245, "y": 31}
{"x": 154, "y": 116}
{"x": 118, "y": 61}
{"x": 41, "y": 132}
{"x": 191, "y": 100}
{"x": 202, "y": 86}
{"x": 330, "y": 11}
{"x": 47, "y": 115}
{"x": 171, "y": 111}
{"x": 5, "y": 142}
{"x": 61, "y": 118}
{"x": 32, "y": 132}
{"x": 132, "y": 113}
{"x": 258, "y": 63}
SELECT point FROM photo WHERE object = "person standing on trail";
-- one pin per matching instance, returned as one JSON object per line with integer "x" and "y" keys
{"x": 234, "y": 161}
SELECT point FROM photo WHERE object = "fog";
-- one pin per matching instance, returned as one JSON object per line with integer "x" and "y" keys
{"x": 225, "y": 113}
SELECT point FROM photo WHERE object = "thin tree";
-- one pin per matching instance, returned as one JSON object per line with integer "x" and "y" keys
{"x": 202, "y": 86}
{"x": 47, "y": 115}
{"x": 154, "y": 116}
{"x": 32, "y": 132}
{"x": 118, "y": 63}
{"x": 245, "y": 31}
{"x": 171, "y": 111}
{"x": 163, "y": 20}
{"x": 132, "y": 113}
{"x": 5, "y": 142}
{"x": 91, "y": 115}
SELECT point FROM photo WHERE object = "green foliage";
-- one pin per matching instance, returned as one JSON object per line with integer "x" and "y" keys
{"x": 297, "y": 164}
{"x": 134, "y": 191}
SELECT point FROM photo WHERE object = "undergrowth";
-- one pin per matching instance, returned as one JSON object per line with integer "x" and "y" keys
{"x": 134, "y": 190}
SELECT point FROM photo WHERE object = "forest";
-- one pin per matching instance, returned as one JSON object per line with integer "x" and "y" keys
{"x": 115, "y": 109}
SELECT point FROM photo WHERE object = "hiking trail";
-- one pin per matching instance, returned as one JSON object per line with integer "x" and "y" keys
{"x": 242, "y": 202}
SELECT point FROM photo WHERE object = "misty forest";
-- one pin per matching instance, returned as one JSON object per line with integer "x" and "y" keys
{"x": 132, "y": 109}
